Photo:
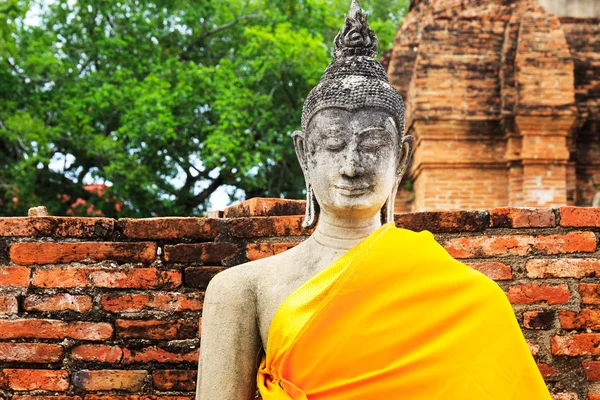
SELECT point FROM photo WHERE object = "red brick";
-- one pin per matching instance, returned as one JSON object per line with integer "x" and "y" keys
{"x": 152, "y": 301}
{"x": 255, "y": 251}
{"x": 97, "y": 353}
{"x": 507, "y": 217}
{"x": 539, "y": 319}
{"x": 36, "y": 379}
{"x": 582, "y": 344}
{"x": 14, "y": 276}
{"x": 136, "y": 278}
{"x": 265, "y": 207}
{"x": 155, "y": 329}
{"x": 199, "y": 277}
{"x": 268, "y": 226}
{"x": 581, "y": 217}
{"x": 547, "y": 371}
{"x": 54, "y": 329}
{"x": 28, "y": 397}
{"x": 208, "y": 253}
{"x": 96, "y": 380}
{"x": 563, "y": 268}
{"x": 30, "y": 352}
{"x": 56, "y": 226}
{"x": 565, "y": 396}
{"x": 533, "y": 348}
{"x": 58, "y": 302}
{"x": 592, "y": 370}
{"x": 533, "y": 293}
{"x": 586, "y": 319}
{"x": 8, "y": 305}
{"x": 444, "y": 221}
{"x": 493, "y": 270}
{"x": 172, "y": 228}
{"x": 61, "y": 277}
{"x": 174, "y": 380}
{"x": 114, "y": 278}
{"x": 135, "y": 397}
{"x": 521, "y": 245}
{"x": 61, "y": 253}
{"x": 159, "y": 355}
{"x": 590, "y": 293}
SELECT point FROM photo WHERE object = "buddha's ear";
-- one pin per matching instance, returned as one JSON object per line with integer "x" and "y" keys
{"x": 300, "y": 146}
{"x": 404, "y": 155}
{"x": 312, "y": 207}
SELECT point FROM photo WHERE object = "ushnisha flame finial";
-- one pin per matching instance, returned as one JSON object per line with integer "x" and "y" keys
{"x": 355, "y": 79}
{"x": 356, "y": 38}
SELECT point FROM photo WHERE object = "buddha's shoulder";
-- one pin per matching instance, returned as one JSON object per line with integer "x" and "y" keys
{"x": 247, "y": 277}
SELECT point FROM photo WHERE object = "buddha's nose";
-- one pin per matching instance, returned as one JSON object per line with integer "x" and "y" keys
{"x": 351, "y": 166}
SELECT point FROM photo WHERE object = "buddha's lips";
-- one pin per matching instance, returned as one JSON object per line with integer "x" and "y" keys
{"x": 354, "y": 190}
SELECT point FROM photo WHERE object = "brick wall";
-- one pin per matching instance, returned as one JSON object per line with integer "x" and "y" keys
{"x": 98, "y": 309}
{"x": 494, "y": 85}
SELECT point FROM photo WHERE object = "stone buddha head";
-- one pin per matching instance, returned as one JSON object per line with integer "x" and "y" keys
{"x": 352, "y": 147}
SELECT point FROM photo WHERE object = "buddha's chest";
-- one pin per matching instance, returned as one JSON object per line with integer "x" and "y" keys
{"x": 270, "y": 297}
{"x": 282, "y": 277}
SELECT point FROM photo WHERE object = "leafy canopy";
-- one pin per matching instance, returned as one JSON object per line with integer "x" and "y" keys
{"x": 164, "y": 101}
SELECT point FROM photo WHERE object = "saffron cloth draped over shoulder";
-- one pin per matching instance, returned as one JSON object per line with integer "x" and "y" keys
{"x": 398, "y": 318}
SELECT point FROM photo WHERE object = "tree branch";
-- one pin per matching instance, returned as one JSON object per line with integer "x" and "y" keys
{"x": 218, "y": 29}
{"x": 32, "y": 79}
{"x": 229, "y": 25}
{"x": 21, "y": 75}
{"x": 201, "y": 198}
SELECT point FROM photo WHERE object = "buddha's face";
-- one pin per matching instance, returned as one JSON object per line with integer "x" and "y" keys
{"x": 351, "y": 159}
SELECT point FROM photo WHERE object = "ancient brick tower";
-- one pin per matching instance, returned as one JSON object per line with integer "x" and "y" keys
{"x": 503, "y": 98}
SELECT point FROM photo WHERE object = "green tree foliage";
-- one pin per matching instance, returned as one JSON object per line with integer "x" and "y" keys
{"x": 163, "y": 100}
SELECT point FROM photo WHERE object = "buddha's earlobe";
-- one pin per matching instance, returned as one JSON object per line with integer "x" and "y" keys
{"x": 387, "y": 211}
{"x": 312, "y": 207}
{"x": 404, "y": 155}
{"x": 310, "y": 216}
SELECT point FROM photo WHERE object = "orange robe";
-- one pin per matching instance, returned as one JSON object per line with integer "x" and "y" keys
{"x": 398, "y": 318}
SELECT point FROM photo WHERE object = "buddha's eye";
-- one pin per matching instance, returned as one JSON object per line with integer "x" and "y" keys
{"x": 334, "y": 144}
{"x": 371, "y": 144}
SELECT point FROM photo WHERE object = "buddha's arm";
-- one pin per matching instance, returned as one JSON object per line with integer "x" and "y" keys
{"x": 230, "y": 343}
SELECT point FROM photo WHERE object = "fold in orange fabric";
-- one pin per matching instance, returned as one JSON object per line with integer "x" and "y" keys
{"x": 398, "y": 318}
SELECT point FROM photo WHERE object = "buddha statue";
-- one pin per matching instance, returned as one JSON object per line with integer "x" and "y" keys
{"x": 361, "y": 309}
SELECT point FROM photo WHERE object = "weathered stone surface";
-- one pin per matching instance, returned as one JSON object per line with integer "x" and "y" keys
{"x": 444, "y": 221}
{"x": 156, "y": 329}
{"x": 520, "y": 245}
{"x": 112, "y": 278}
{"x": 126, "y": 380}
{"x": 493, "y": 269}
{"x": 54, "y": 329}
{"x": 175, "y": 380}
{"x": 58, "y": 302}
{"x": 56, "y": 226}
{"x": 199, "y": 277}
{"x": 35, "y": 379}
{"x": 263, "y": 207}
{"x": 174, "y": 302}
{"x": 171, "y": 228}
{"x": 268, "y": 226}
{"x": 522, "y": 218}
{"x": 30, "y": 352}
{"x": 59, "y": 253}
{"x": 582, "y": 217}
{"x": 205, "y": 253}
{"x": 257, "y": 251}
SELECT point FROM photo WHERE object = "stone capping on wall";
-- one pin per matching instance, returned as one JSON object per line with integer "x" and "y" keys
{"x": 104, "y": 309}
